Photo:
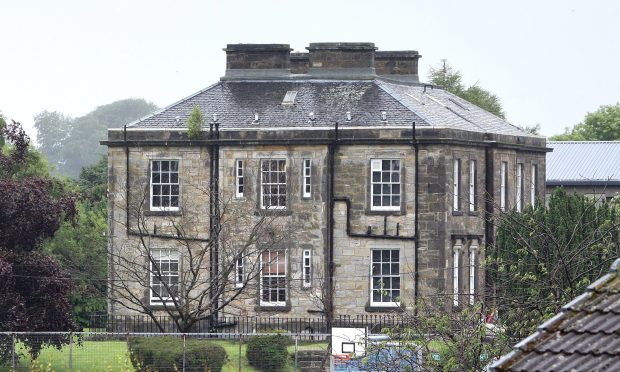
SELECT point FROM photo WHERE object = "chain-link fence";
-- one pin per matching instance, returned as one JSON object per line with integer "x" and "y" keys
{"x": 97, "y": 351}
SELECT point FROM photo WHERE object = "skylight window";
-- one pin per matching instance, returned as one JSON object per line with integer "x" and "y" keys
{"x": 289, "y": 97}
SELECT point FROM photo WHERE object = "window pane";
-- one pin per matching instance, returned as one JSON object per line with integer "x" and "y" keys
{"x": 385, "y": 255}
{"x": 385, "y": 164}
{"x": 386, "y": 189}
{"x": 174, "y": 178}
{"x": 396, "y": 189}
{"x": 174, "y": 166}
{"x": 385, "y": 200}
{"x": 395, "y": 165}
{"x": 155, "y": 178}
{"x": 376, "y": 200}
{"x": 164, "y": 165}
{"x": 376, "y": 255}
{"x": 376, "y": 176}
{"x": 156, "y": 201}
{"x": 385, "y": 176}
{"x": 395, "y": 201}
{"x": 396, "y": 283}
{"x": 375, "y": 269}
{"x": 165, "y": 190}
{"x": 155, "y": 165}
{"x": 385, "y": 269}
{"x": 395, "y": 177}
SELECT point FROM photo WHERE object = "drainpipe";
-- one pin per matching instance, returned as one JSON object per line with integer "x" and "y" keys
{"x": 216, "y": 222}
{"x": 211, "y": 224}
{"x": 416, "y": 275}
{"x": 331, "y": 149}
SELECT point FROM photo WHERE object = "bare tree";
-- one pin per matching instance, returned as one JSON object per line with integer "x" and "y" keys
{"x": 195, "y": 276}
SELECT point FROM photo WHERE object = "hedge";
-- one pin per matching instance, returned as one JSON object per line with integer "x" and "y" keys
{"x": 166, "y": 353}
{"x": 268, "y": 353}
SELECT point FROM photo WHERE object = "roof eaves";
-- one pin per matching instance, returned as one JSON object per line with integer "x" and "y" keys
{"x": 133, "y": 123}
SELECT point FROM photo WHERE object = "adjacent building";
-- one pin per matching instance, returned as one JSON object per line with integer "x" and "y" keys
{"x": 588, "y": 168}
{"x": 390, "y": 182}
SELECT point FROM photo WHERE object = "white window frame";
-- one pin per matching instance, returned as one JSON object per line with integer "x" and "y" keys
{"x": 395, "y": 178}
{"x": 307, "y": 178}
{"x": 519, "y": 196}
{"x": 473, "y": 252}
{"x": 534, "y": 177}
{"x": 273, "y": 258}
{"x": 161, "y": 256}
{"x": 306, "y": 273}
{"x": 239, "y": 179}
{"x": 377, "y": 271}
{"x": 472, "y": 185}
{"x": 271, "y": 183}
{"x": 456, "y": 180}
{"x": 503, "y": 175}
{"x": 162, "y": 184}
{"x": 239, "y": 272}
{"x": 456, "y": 270}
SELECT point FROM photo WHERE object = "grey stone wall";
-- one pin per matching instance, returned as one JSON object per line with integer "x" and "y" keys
{"x": 305, "y": 219}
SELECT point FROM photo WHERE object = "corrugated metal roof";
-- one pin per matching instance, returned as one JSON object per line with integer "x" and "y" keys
{"x": 237, "y": 102}
{"x": 583, "y": 162}
{"x": 584, "y": 336}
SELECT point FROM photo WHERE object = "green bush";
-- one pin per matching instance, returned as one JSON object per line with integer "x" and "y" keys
{"x": 166, "y": 353}
{"x": 268, "y": 353}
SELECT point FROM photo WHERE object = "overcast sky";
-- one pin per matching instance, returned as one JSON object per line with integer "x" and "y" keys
{"x": 550, "y": 62}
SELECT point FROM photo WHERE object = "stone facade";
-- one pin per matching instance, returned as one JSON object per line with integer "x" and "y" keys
{"x": 350, "y": 243}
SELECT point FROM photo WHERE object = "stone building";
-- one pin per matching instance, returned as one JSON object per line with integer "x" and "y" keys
{"x": 387, "y": 180}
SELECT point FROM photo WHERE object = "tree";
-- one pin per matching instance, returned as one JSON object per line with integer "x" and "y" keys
{"x": 600, "y": 125}
{"x": 35, "y": 290}
{"x": 208, "y": 279}
{"x": 437, "y": 337}
{"x": 71, "y": 144}
{"x": 194, "y": 123}
{"x": 450, "y": 79}
{"x": 80, "y": 246}
{"x": 53, "y": 129}
{"x": 546, "y": 256}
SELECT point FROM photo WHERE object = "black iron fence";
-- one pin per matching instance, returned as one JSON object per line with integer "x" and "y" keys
{"x": 240, "y": 324}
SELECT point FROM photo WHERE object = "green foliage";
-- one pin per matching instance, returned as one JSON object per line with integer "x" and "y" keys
{"x": 600, "y": 125}
{"x": 546, "y": 256}
{"x": 449, "y": 339}
{"x": 446, "y": 77}
{"x": 71, "y": 144}
{"x": 194, "y": 123}
{"x": 268, "y": 353}
{"x": 166, "y": 353}
{"x": 80, "y": 247}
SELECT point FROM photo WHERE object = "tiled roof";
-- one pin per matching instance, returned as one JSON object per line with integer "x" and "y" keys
{"x": 583, "y": 162}
{"x": 584, "y": 336}
{"x": 237, "y": 102}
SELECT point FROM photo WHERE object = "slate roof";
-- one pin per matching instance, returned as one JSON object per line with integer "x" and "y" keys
{"x": 236, "y": 103}
{"x": 584, "y": 336}
{"x": 583, "y": 162}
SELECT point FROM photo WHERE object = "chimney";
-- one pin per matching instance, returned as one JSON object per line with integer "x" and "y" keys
{"x": 257, "y": 61}
{"x": 299, "y": 63}
{"x": 398, "y": 65}
{"x": 342, "y": 60}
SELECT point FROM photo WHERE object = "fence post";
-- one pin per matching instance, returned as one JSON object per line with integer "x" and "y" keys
{"x": 296, "y": 339}
{"x": 13, "y": 351}
{"x": 183, "y": 352}
{"x": 240, "y": 343}
{"x": 70, "y": 351}
{"x": 128, "y": 355}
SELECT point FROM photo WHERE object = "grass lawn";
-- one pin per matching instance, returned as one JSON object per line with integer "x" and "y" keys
{"x": 112, "y": 356}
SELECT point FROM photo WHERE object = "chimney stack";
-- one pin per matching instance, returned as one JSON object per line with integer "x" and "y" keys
{"x": 342, "y": 60}
{"x": 398, "y": 65}
{"x": 257, "y": 61}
